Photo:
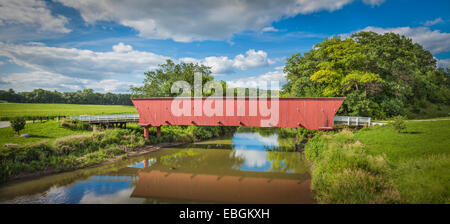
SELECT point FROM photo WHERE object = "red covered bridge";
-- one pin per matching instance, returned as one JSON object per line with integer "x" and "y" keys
{"x": 310, "y": 113}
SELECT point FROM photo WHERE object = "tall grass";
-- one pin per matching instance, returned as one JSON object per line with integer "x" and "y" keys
{"x": 345, "y": 173}
{"x": 378, "y": 165}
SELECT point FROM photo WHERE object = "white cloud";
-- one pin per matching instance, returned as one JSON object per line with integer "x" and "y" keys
{"x": 73, "y": 69}
{"x": 54, "y": 81}
{"x": 262, "y": 81}
{"x": 256, "y": 138}
{"x": 269, "y": 29}
{"x": 120, "y": 48}
{"x": 111, "y": 85}
{"x": 252, "y": 59}
{"x": 432, "y": 40}
{"x": 374, "y": 2}
{"x": 252, "y": 158}
{"x": 118, "y": 197}
{"x": 444, "y": 63}
{"x": 39, "y": 79}
{"x": 197, "y": 20}
{"x": 219, "y": 65}
{"x": 79, "y": 63}
{"x": 223, "y": 65}
{"x": 31, "y": 13}
{"x": 433, "y": 22}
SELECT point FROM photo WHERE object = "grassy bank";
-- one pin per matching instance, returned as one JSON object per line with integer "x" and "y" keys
{"x": 84, "y": 148}
{"x": 39, "y": 131}
{"x": 378, "y": 165}
{"x": 10, "y": 110}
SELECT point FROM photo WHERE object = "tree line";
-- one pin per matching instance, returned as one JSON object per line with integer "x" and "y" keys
{"x": 381, "y": 76}
{"x": 159, "y": 82}
{"x": 86, "y": 96}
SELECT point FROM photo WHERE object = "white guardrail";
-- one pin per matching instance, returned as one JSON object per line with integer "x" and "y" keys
{"x": 356, "y": 121}
{"x": 109, "y": 118}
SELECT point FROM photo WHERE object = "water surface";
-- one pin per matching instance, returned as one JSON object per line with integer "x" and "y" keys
{"x": 247, "y": 167}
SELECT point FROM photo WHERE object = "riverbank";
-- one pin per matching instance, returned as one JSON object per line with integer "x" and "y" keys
{"x": 92, "y": 148}
{"x": 137, "y": 152}
{"x": 378, "y": 165}
{"x": 226, "y": 169}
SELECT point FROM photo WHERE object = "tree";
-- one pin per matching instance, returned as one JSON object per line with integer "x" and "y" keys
{"x": 86, "y": 96}
{"x": 18, "y": 124}
{"x": 158, "y": 83}
{"x": 399, "y": 124}
{"x": 380, "y": 75}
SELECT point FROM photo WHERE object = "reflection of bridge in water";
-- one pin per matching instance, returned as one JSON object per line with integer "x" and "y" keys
{"x": 225, "y": 189}
{"x": 158, "y": 180}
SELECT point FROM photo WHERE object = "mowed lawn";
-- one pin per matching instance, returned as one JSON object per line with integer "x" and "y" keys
{"x": 10, "y": 110}
{"x": 419, "y": 158}
{"x": 45, "y": 131}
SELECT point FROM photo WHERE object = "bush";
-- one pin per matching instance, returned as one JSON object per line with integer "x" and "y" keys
{"x": 314, "y": 148}
{"x": 344, "y": 173}
{"x": 76, "y": 125}
{"x": 18, "y": 124}
{"x": 77, "y": 144}
{"x": 399, "y": 124}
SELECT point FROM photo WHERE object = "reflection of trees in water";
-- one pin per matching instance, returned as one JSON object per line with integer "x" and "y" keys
{"x": 292, "y": 135}
{"x": 284, "y": 145}
{"x": 218, "y": 156}
{"x": 202, "y": 159}
{"x": 287, "y": 162}
{"x": 263, "y": 131}
{"x": 282, "y": 158}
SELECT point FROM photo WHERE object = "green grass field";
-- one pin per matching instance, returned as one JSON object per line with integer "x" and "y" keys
{"x": 10, "y": 110}
{"x": 420, "y": 159}
{"x": 48, "y": 131}
{"x": 378, "y": 165}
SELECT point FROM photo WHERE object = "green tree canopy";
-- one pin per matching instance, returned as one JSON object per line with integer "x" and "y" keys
{"x": 18, "y": 124}
{"x": 158, "y": 83}
{"x": 381, "y": 75}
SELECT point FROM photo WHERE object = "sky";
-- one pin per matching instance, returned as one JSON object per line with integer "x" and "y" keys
{"x": 107, "y": 45}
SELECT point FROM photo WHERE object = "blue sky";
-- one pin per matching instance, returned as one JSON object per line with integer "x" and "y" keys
{"x": 67, "y": 45}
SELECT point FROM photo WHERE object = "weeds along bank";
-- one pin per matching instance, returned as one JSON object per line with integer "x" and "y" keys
{"x": 82, "y": 150}
{"x": 344, "y": 173}
{"x": 380, "y": 165}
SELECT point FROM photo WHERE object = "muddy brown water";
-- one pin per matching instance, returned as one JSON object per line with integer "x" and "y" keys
{"x": 246, "y": 167}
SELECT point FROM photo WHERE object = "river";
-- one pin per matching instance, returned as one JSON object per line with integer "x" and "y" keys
{"x": 247, "y": 167}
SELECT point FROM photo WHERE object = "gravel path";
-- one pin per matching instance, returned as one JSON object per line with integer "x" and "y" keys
{"x": 5, "y": 124}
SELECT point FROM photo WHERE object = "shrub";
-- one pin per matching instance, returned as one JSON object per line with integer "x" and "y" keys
{"x": 18, "y": 124}
{"x": 314, "y": 148}
{"x": 344, "y": 173}
{"x": 399, "y": 124}
{"x": 76, "y": 125}
{"x": 77, "y": 144}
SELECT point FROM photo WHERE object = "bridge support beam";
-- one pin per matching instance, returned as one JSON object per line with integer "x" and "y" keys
{"x": 158, "y": 131}
{"x": 146, "y": 132}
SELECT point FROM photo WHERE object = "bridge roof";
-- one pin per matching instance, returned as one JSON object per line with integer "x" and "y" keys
{"x": 283, "y": 98}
